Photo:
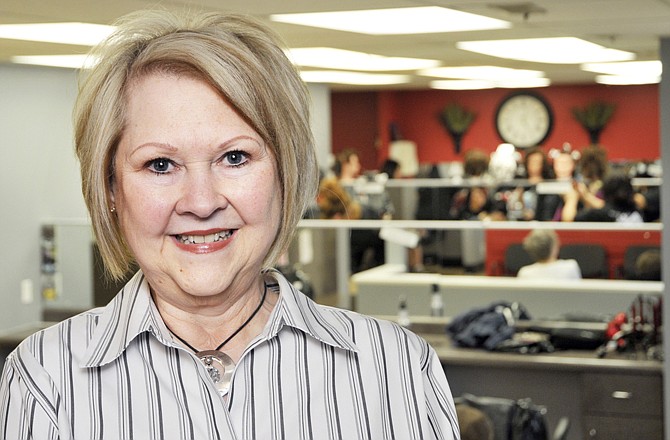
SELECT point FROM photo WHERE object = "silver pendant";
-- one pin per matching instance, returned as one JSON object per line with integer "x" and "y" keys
{"x": 220, "y": 368}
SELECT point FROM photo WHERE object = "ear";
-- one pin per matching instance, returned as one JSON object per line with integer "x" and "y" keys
{"x": 112, "y": 191}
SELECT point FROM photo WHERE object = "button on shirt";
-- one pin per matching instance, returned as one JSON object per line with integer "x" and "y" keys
{"x": 314, "y": 372}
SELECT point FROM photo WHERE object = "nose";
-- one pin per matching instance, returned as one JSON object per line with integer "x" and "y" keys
{"x": 200, "y": 193}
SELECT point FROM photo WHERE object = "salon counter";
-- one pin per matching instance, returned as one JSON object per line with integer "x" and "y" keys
{"x": 615, "y": 397}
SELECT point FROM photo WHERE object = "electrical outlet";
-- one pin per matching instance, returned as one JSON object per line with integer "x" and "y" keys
{"x": 27, "y": 294}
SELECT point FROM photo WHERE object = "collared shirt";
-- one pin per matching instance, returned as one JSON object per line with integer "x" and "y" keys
{"x": 313, "y": 372}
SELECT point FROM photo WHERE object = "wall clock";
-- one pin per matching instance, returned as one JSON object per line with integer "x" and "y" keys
{"x": 524, "y": 119}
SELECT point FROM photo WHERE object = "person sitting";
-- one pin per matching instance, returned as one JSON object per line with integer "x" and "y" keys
{"x": 476, "y": 204}
{"x": 619, "y": 203}
{"x": 475, "y": 424}
{"x": 564, "y": 164}
{"x": 543, "y": 247}
{"x": 536, "y": 169}
{"x": 587, "y": 192}
{"x": 648, "y": 266}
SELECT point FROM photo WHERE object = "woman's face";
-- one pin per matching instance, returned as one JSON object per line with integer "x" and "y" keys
{"x": 564, "y": 166}
{"x": 352, "y": 167}
{"x": 196, "y": 188}
{"x": 534, "y": 166}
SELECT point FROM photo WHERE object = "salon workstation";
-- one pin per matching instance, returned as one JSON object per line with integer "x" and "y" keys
{"x": 522, "y": 244}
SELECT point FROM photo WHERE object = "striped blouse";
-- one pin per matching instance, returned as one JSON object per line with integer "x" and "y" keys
{"x": 313, "y": 372}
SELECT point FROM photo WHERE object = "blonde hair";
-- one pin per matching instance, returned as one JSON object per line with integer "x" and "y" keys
{"x": 236, "y": 55}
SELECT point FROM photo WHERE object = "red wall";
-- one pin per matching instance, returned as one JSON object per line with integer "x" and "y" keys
{"x": 615, "y": 243}
{"x": 362, "y": 120}
{"x": 354, "y": 119}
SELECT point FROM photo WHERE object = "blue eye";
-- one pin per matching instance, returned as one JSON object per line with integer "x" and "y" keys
{"x": 236, "y": 158}
{"x": 160, "y": 165}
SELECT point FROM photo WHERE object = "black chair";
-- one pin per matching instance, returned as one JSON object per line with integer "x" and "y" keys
{"x": 592, "y": 258}
{"x": 630, "y": 257}
{"x": 516, "y": 257}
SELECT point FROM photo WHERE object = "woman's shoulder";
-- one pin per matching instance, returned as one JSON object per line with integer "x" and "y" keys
{"x": 70, "y": 335}
{"x": 361, "y": 327}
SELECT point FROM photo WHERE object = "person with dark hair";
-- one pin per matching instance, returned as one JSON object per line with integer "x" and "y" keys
{"x": 587, "y": 192}
{"x": 536, "y": 169}
{"x": 197, "y": 163}
{"x": 564, "y": 162}
{"x": 536, "y": 166}
{"x": 347, "y": 165}
{"x": 391, "y": 168}
{"x": 619, "y": 203}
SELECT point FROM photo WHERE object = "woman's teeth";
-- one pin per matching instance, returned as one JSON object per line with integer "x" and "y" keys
{"x": 209, "y": 238}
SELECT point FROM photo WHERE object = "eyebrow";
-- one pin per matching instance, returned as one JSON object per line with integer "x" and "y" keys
{"x": 259, "y": 141}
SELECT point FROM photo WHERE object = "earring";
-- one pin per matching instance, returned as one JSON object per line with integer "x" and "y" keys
{"x": 112, "y": 209}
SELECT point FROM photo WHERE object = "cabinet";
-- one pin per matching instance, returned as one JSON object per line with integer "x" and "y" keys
{"x": 622, "y": 406}
{"x": 609, "y": 398}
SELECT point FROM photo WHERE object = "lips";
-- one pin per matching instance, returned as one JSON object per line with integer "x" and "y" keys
{"x": 206, "y": 238}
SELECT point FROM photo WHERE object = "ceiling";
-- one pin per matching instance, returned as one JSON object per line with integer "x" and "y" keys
{"x": 631, "y": 25}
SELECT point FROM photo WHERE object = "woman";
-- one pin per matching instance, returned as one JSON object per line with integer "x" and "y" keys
{"x": 619, "y": 204}
{"x": 197, "y": 166}
{"x": 587, "y": 193}
{"x": 564, "y": 164}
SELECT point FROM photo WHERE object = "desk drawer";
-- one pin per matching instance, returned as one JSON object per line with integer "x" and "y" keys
{"x": 622, "y": 394}
{"x": 621, "y": 428}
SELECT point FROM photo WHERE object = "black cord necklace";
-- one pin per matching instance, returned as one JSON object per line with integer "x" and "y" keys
{"x": 219, "y": 365}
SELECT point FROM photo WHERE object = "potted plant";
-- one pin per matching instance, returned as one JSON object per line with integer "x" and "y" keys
{"x": 456, "y": 120}
{"x": 594, "y": 117}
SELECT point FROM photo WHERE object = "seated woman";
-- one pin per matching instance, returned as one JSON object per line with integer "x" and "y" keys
{"x": 619, "y": 203}
{"x": 587, "y": 193}
{"x": 542, "y": 245}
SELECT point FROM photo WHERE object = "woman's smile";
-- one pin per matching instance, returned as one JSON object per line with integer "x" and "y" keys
{"x": 202, "y": 243}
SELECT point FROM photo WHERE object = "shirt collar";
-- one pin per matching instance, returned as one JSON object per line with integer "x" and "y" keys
{"x": 130, "y": 313}
{"x": 296, "y": 310}
{"x": 133, "y": 312}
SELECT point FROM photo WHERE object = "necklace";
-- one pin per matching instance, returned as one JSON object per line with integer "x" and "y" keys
{"x": 218, "y": 364}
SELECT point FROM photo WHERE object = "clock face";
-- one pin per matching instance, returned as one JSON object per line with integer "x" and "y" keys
{"x": 524, "y": 119}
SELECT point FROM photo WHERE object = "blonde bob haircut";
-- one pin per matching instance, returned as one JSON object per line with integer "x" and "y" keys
{"x": 236, "y": 55}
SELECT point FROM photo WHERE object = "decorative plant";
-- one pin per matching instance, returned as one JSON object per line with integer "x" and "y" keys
{"x": 594, "y": 117}
{"x": 456, "y": 120}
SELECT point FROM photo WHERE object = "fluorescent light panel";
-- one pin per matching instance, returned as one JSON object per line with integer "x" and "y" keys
{"x": 481, "y": 72}
{"x": 629, "y": 68}
{"x": 331, "y": 58}
{"x": 561, "y": 50}
{"x": 419, "y": 20}
{"x": 479, "y": 84}
{"x": 352, "y": 78}
{"x": 461, "y": 84}
{"x": 625, "y": 80}
{"x": 69, "y": 61}
{"x": 85, "y": 34}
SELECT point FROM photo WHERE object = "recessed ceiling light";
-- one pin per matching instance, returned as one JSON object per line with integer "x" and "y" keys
{"x": 85, "y": 34}
{"x": 331, "y": 58}
{"x": 561, "y": 50}
{"x": 629, "y": 68}
{"x": 69, "y": 61}
{"x": 481, "y": 72}
{"x": 354, "y": 78}
{"x": 420, "y": 20}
